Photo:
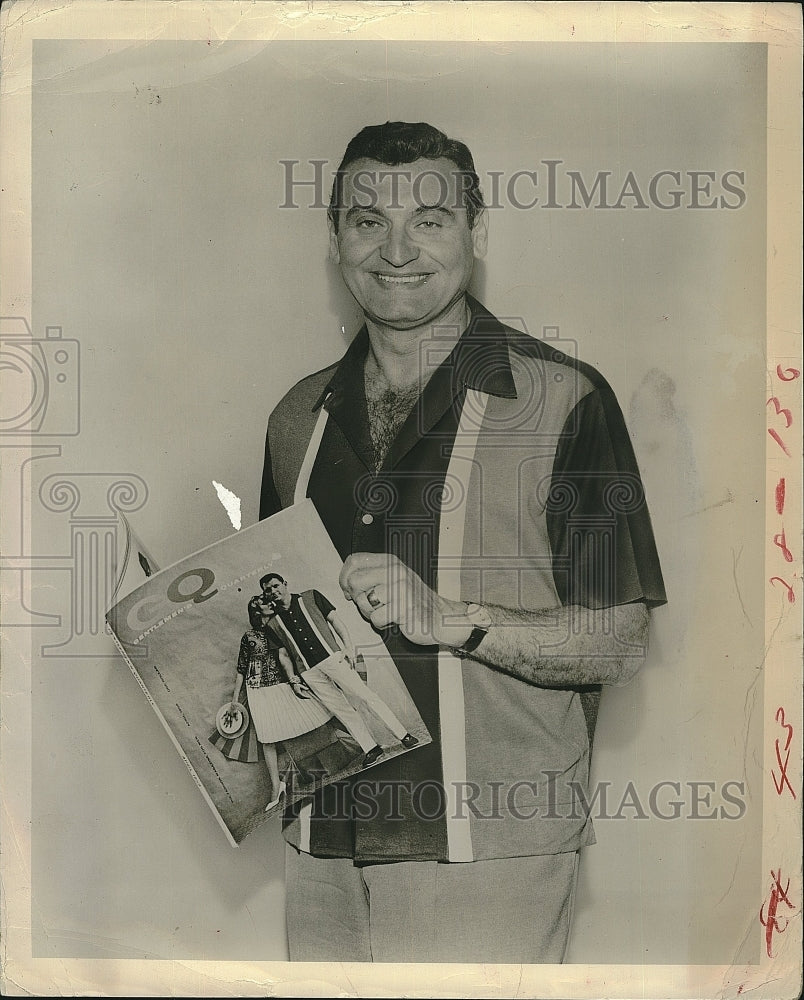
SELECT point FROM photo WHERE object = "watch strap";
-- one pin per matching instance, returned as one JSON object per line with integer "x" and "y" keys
{"x": 481, "y": 622}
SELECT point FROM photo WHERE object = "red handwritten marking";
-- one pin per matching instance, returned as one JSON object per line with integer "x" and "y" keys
{"x": 790, "y": 373}
{"x": 780, "y": 542}
{"x": 783, "y": 780}
{"x": 780, "y": 486}
{"x": 768, "y": 918}
{"x": 781, "y": 411}
{"x": 780, "y": 718}
{"x": 791, "y": 597}
{"x": 778, "y": 441}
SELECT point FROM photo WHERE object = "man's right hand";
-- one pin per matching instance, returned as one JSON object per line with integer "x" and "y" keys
{"x": 299, "y": 688}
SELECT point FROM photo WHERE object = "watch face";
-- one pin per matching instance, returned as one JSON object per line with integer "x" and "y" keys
{"x": 478, "y": 615}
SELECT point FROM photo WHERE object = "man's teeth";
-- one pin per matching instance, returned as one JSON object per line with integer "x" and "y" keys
{"x": 403, "y": 279}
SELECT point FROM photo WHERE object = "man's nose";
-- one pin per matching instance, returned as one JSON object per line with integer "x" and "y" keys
{"x": 398, "y": 249}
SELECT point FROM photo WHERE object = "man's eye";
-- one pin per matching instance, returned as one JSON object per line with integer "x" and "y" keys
{"x": 367, "y": 223}
{"x": 429, "y": 224}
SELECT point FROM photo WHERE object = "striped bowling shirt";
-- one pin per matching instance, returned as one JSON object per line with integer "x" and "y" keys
{"x": 513, "y": 482}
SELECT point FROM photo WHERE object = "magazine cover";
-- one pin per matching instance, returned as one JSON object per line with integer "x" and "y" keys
{"x": 267, "y": 679}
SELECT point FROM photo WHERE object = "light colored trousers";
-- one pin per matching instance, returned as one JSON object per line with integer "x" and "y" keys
{"x": 329, "y": 679}
{"x": 511, "y": 910}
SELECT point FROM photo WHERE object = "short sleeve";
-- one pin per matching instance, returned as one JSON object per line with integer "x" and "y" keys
{"x": 243, "y": 656}
{"x": 601, "y": 539}
{"x": 323, "y": 604}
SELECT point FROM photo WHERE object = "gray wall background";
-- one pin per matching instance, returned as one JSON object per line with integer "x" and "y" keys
{"x": 159, "y": 244}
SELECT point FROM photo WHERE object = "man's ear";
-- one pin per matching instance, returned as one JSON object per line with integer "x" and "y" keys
{"x": 480, "y": 234}
{"x": 334, "y": 251}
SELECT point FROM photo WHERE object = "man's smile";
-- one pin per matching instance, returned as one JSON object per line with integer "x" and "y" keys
{"x": 401, "y": 279}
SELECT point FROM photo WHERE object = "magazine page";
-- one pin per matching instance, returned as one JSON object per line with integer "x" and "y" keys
{"x": 269, "y": 682}
{"x": 134, "y": 563}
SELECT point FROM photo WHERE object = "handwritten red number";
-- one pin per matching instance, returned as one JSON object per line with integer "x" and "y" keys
{"x": 780, "y": 496}
{"x": 787, "y": 374}
{"x": 791, "y": 597}
{"x": 783, "y": 781}
{"x": 780, "y": 542}
{"x": 781, "y": 411}
{"x": 780, "y": 718}
{"x": 778, "y": 440}
{"x": 768, "y": 917}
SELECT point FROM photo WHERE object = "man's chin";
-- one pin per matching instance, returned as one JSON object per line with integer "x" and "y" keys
{"x": 405, "y": 319}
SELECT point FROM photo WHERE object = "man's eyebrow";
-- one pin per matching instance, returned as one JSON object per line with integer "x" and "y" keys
{"x": 358, "y": 209}
{"x": 435, "y": 208}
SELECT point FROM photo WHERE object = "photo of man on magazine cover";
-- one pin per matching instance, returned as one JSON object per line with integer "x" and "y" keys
{"x": 308, "y": 690}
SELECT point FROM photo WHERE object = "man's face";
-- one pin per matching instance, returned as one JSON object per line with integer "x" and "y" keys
{"x": 404, "y": 244}
{"x": 275, "y": 590}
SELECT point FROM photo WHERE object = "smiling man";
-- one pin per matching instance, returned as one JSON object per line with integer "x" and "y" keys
{"x": 483, "y": 492}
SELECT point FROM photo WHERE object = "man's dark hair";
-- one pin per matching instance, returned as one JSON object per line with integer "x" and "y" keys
{"x": 272, "y": 576}
{"x": 404, "y": 142}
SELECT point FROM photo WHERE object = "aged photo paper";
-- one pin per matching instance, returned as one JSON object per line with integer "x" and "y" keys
{"x": 165, "y": 172}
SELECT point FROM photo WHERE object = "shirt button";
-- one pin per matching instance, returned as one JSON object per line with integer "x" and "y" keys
{"x": 367, "y": 519}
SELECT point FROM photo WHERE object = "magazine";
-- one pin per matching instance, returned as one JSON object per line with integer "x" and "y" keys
{"x": 253, "y": 659}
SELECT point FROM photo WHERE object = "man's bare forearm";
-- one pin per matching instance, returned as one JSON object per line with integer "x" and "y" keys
{"x": 341, "y": 633}
{"x": 286, "y": 663}
{"x": 567, "y": 646}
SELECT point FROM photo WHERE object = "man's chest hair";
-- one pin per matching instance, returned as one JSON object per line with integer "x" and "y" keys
{"x": 388, "y": 409}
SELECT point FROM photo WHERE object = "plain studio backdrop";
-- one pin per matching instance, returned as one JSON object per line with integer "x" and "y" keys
{"x": 160, "y": 245}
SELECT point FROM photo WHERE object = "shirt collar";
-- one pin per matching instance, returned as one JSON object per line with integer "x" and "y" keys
{"x": 479, "y": 360}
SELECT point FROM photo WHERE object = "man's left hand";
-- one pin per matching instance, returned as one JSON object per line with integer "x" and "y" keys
{"x": 387, "y": 592}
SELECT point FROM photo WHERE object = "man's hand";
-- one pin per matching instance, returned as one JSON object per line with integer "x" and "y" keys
{"x": 299, "y": 688}
{"x": 387, "y": 592}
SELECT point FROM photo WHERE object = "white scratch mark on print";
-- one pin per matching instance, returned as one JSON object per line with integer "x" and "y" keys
{"x": 231, "y": 504}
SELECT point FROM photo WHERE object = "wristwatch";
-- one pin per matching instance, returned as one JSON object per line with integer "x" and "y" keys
{"x": 481, "y": 623}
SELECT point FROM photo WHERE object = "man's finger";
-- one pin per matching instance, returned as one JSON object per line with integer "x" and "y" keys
{"x": 382, "y": 617}
{"x": 365, "y": 580}
{"x": 373, "y": 597}
{"x": 364, "y": 568}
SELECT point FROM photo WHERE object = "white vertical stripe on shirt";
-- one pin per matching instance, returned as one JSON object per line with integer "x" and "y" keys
{"x": 304, "y": 827}
{"x": 309, "y": 457}
{"x": 299, "y": 494}
{"x": 327, "y": 645}
{"x": 452, "y": 715}
{"x": 277, "y": 621}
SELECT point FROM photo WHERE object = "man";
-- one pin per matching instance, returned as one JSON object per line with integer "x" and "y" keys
{"x": 483, "y": 492}
{"x": 308, "y": 625}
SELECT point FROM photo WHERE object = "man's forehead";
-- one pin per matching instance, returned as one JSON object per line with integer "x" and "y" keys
{"x": 423, "y": 182}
